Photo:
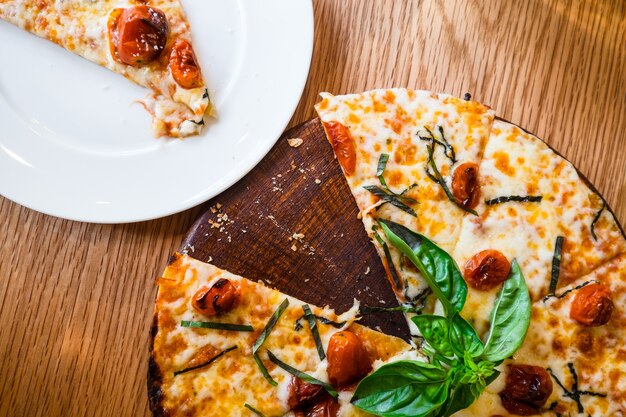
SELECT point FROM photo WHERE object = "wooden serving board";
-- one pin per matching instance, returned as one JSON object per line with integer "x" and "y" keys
{"x": 292, "y": 223}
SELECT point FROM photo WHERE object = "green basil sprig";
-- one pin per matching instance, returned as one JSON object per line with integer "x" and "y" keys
{"x": 461, "y": 365}
{"x": 510, "y": 317}
{"x": 437, "y": 267}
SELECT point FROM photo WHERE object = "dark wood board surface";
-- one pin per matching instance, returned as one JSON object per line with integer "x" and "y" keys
{"x": 292, "y": 223}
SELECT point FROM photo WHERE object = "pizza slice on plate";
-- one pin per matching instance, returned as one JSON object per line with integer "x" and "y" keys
{"x": 148, "y": 42}
{"x": 411, "y": 157}
{"x": 226, "y": 346}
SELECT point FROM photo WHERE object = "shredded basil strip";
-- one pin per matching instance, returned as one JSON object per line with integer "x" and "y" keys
{"x": 264, "y": 370}
{"x": 393, "y": 199}
{"x": 210, "y": 361}
{"x": 584, "y": 284}
{"x": 254, "y": 410}
{"x": 374, "y": 309}
{"x": 516, "y": 198}
{"x": 392, "y": 268}
{"x": 595, "y": 220}
{"x": 264, "y": 334}
{"x": 218, "y": 326}
{"x": 574, "y": 393}
{"x": 303, "y": 376}
{"x": 452, "y": 155}
{"x": 380, "y": 169}
{"x": 335, "y": 324}
{"x": 323, "y": 320}
{"x": 310, "y": 317}
{"x": 439, "y": 179}
{"x": 556, "y": 264}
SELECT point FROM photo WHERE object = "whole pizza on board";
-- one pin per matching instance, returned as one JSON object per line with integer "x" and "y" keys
{"x": 146, "y": 41}
{"x": 509, "y": 267}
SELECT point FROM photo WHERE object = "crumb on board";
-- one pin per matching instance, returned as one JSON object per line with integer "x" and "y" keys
{"x": 297, "y": 236}
{"x": 294, "y": 247}
{"x": 367, "y": 271}
{"x": 318, "y": 181}
{"x": 295, "y": 142}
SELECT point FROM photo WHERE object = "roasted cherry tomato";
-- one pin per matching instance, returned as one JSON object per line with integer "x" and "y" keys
{"x": 328, "y": 407}
{"x": 137, "y": 34}
{"x": 592, "y": 305}
{"x": 183, "y": 65}
{"x": 220, "y": 298}
{"x": 302, "y": 393}
{"x": 343, "y": 145}
{"x": 348, "y": 359}
{"x": 487, "y": 269}
{"x": 527, "y": 389}
{"x": 465, "y": 184}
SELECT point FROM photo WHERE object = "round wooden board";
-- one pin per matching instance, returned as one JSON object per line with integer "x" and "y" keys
{"x": 292, "y": 223}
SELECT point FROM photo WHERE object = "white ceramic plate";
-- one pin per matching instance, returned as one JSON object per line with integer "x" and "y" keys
{"x": 73, "y": 145}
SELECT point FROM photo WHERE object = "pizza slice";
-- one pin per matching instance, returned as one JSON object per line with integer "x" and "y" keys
{"x": 226, "y": 346}
{"x": 411, "y": 157}
{"x": 148, "y": 42}
{"x": 573, "y": 360}
{"x": 534, "y": 207}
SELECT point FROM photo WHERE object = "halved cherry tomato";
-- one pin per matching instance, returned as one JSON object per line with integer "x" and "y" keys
{"x": 302, "y": 393}
{"x": 184, "y": 66}
{"x": 465, "y": 184}
{"x": 137, "y": 34}
{"x": 328, "y": 407}
{"x": 487, "y": 269}
{"x": 220, "y": 298}
{"x": 527, "y": 389}
{"x": 343, "y": 145}
{"x": 592, "y": 305}
{"x": 348, "y": 359}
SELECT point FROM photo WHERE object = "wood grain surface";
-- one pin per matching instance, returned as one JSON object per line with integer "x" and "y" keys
{"x": 292, "y": 223}
{"x": 76, "y": 299}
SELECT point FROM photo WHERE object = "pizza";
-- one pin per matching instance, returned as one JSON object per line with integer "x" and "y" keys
{"x": 491, "y": 237}
{"x": 509, "y": 267}
{"x": 148, "y": 42}
{"x": 399, "y": 150}
{"x": 227, "y": 346}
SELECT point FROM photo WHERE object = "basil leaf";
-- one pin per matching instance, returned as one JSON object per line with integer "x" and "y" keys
{"x": 463, "y": 395}
{"x": 436, "y": 332}
{"x": 460, "y": 398}
{"x": 403, "y": 388}
{"x": 510, "y": 317}
{"x": 437, "y": 267}
{"x": 463, "y": 337}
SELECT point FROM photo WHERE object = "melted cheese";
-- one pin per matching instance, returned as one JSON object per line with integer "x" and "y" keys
{"x": 81, "y": 27}
{"x": 388, "y": 121}
{"x": 234, "y": 379}
{"x": 554, "y": 340}
{"x": 512, "y": 162}
{"x": 517, "y": 163}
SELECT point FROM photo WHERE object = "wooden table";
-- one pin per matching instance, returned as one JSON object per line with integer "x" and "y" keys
{"x": 76, "y": 299}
